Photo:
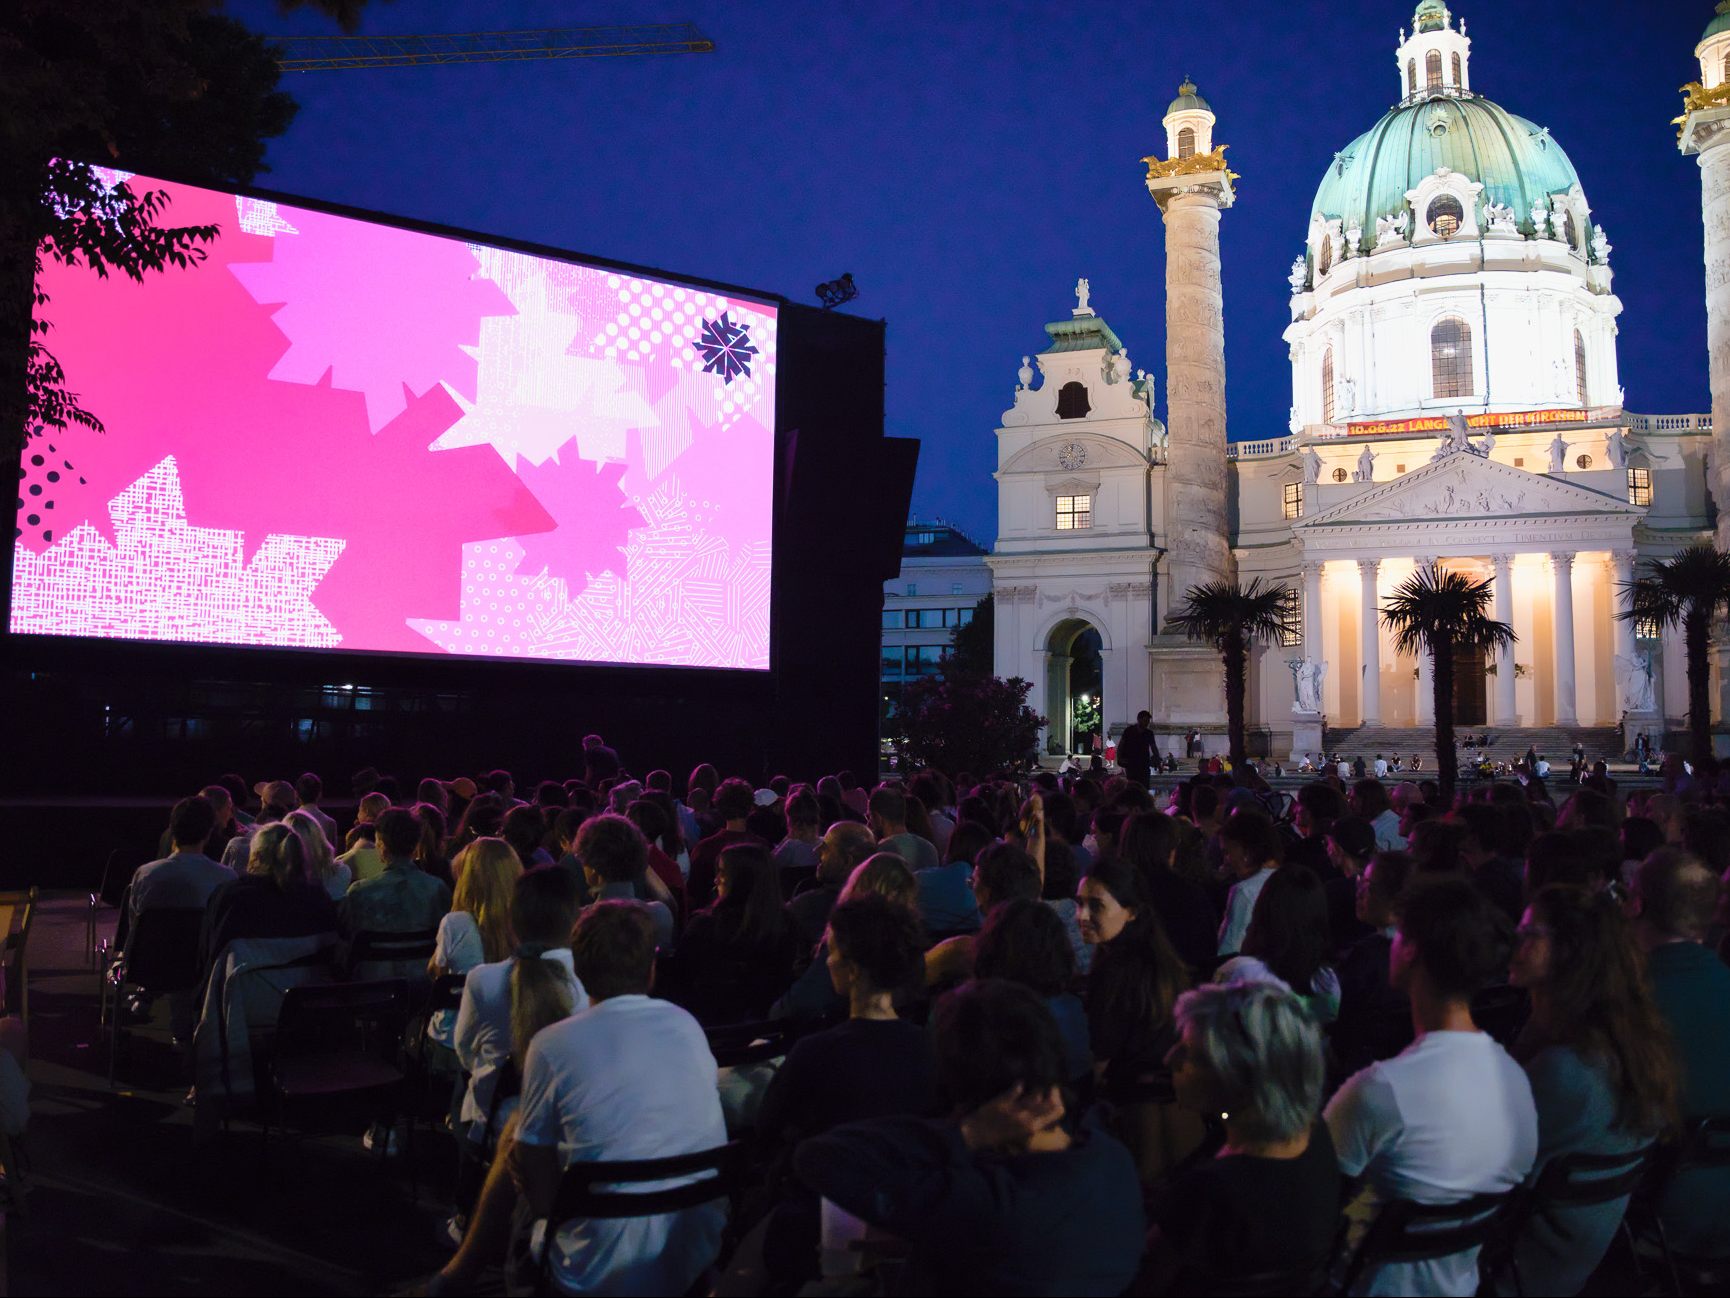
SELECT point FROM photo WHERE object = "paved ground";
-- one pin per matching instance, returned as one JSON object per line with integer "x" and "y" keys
{"x": 122, "y": 1203}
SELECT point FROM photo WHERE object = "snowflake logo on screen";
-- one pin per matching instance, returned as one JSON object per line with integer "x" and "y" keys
{"x": 726, "y": 348}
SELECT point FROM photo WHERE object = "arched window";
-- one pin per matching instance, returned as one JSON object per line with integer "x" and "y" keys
{"x": 1459, "y": 77}
{"x": 1451, "y": 359}
{"x": 1570, "y": 231}
{"x": 1325, "y": 258}
{"x": 1328, "y": 386}
{"x": 1411, "y": 76}
{"x": 1433, "y": 70}
{"x": 1580, "y": 368}
{"x": 1727, "y": 67}
{"x": 1072, "y": 401}
{"x": 1186, "y": 142}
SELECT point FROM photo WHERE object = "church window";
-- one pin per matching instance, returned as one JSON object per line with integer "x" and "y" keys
{"x": 1433, "y": 70}
{"x": 1292, "y": 496}
{"x": 1727, "y": 67}
{"x": 1570, "y": 231}
{"x": 1445, "y": 215}
{"x": 1328, "y": 386}
{"x": 1074, "y": 513}
{"x": 1325, "y": 258}
{"x": 1411, "y": 76}
{"x": 1072, "y": 401}
{"x": 1639, "y": 486}
{"x": 1579, "y": 368}
{"x": 1340, "y": 475}
{"x": 1459, "y": 78}
{"x": 1584, "y": 462}
{"x": 1186, "y": 142}
{"x": 1647, "y": 628}
{"x": 1292, "y": 606}
{"x": 1451, "y": 359}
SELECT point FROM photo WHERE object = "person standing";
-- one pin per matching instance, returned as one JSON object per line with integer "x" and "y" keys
{"x": 1135, "y": 749}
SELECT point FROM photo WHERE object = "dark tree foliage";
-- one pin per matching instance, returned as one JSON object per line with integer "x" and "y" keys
{"x": 963, "y": 721}
{"x": 1231, "y": 618}
{"x": 1687, "y": 590}
{"x": 973, "y": 645}
{"x": 163, "y": 87}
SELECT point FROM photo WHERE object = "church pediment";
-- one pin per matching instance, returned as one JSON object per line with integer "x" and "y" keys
{"x": 1464, "y": 487}
{"x": 1073, "y": 451}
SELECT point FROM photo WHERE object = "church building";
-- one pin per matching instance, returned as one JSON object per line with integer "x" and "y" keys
{"x": 1455, "y": 401}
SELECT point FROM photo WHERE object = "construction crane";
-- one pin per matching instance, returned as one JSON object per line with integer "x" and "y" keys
{"x": 329, "y": 53}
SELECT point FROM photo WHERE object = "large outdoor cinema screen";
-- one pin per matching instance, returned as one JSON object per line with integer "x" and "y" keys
{"x": 336, "y": 433}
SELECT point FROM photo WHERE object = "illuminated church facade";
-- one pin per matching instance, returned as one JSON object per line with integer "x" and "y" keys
{"x": 1455, "y": 400}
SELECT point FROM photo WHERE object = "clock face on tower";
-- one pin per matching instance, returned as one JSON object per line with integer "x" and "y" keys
{"x": 1072, "y": 455}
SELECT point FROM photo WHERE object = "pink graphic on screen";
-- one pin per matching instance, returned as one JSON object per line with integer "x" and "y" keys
{"x": 340, "y": 434}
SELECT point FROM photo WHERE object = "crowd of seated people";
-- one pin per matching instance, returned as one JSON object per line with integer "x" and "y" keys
{"x": 1043, "y": 1034}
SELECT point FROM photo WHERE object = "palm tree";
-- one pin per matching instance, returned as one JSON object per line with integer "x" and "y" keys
{"x": 1231, "y": 618}
{"x": 1685, "y": 590}
{"x": 1439, "y": 613}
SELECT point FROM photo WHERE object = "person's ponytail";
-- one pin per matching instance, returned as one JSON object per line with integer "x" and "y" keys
{"x": 540, "y": 996}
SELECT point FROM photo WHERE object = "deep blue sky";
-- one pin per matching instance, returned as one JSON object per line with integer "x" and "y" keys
{"x": 968, "y": 161}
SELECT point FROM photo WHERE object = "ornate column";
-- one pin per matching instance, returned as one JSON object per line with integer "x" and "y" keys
{"x": 1562, "y": 568}
{"x": 1506, "y": 711}
{"x": 1621, "y": 630}
{"x": 1371, "y": 630}
{"x": 1312, "y": 610}
{"x": 1191, "y": 192}
{"x": 1706, "y": 134}
{"x": 1425, "y": 711}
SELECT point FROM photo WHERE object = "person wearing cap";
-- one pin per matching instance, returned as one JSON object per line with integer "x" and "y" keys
{"x": 1351, "y": 841}
{"x": 276, "y": 798}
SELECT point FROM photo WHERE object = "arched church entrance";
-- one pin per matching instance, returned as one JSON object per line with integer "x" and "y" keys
{"x": 1074, "y": 686}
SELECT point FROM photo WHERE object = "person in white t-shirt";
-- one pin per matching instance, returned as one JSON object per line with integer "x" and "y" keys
{"x": 1452, "y": 1115}
{"x": 630, "y": 1078}
{"x": 1252, "y": 851}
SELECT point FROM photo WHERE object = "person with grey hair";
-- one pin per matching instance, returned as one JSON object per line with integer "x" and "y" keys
{"x": 1250, "y": 1055}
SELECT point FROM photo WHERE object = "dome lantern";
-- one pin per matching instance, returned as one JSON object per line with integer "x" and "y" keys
{"x": 1713, "y": 51}
{"x": 1188, "y": 124}
{"x": 1436, "y": 58}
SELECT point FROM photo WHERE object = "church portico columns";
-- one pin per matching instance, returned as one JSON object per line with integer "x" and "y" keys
{"x": 1507, "y": 713}
{"x": 1621, "y": 576}
{"x": 1562, "y": 568}
{"x": 1312, "y": 610}
{"x": 1371, "y": 633}
{"x": 1426, "y": 700}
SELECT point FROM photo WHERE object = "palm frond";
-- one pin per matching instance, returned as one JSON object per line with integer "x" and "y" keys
{"x": 1697, "y": 578}
{"x": 1215, "y": 611}
{"x": 1434, "y": 609}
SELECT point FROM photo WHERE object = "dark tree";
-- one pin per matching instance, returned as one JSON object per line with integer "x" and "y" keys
{"x": 1687, "y": 590}
{"x": 1231, "y": 618}
{"x": 973, "y": 644}
{"x": 960, "y": 721}
{"x": 1438, "y": 612}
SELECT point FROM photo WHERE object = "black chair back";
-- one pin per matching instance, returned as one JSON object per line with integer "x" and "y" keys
{"x": 1303, "y": 1279}
{"x": 446, "y": 993}
{"x": 736, "y": 1045}
{"x": 1706, "y": 1143}
{"x": 1404, "y": 1231}
{"x": 1502, "y": 1011}
{"x": 163, "y": 955}
{"x": 507, "y": 1085}
{"x": 369, "y": 946}
{"x": 719, "y": 1170}
{"x": 1590, "y": 1178}
{"x": 327, "y": 1018}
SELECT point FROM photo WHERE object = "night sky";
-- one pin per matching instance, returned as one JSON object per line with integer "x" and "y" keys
{"x": 968, "y": 161}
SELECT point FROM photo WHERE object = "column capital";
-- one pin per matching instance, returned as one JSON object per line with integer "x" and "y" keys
{"x": 1369, "y": 567}
{"x": 1562, "y": 560}
{"x": 1625, "y": 558}
{"x": 1311, "y": 567}
{"x": 1503, "y": 560}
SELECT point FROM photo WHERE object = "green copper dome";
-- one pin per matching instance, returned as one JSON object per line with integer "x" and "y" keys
{"x": 1187, "y": 100}
{"x": 1431, "y": 15}
{"x": 1515, "y": 160}
{"x": 1719, "y": 24}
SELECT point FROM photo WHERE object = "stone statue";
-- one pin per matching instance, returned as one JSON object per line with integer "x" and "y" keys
{"x": 1354, "y": 241}
{"x": 1307, "y": 675}
{"x": 1600, "y": 244}
{"x": 1540, "y": 219}
{"x": 1312, "y": 465}
{"x": 1558, "y": 455}
{"x": 1294, "y": 421}
{"x": 1025, "y": 373}
{"x": 1455, "y": 435}
{"x": 1299, "y": 275}
{"x": 1499, "y": 217}
{"x": 1082, "y": 292}
{"x": 1120, "y": 367}
{"x": 1348, "y": 390}
{"x": 1616, "y": 447}
{"x": 1391, "y": 229}
{"x": 1366, "y": 467}
{"x": 1634, "y": 682}
{"x": 1563, "y": 377}
{"x": 1487, "y": 444}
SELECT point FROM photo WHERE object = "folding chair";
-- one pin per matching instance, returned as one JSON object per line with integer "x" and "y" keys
{"x": 117, "y": 872}
{"x": 721, "y": 1173}
{"x": 18, "y": 909}
{"x": 373, "y": 946}
{"x": 336, "y": 1040}
{"x": 445, "y": 996}
{"x": 1704, "y": 1144}
{"x": 161, "y": 959}
{"x": 736, "y": 1045}
{"x": 1404, "y": 1231}
{"x": 1570, "y": 1180}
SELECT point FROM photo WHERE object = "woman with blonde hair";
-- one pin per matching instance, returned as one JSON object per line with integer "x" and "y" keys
{"x": 478, "y": 928}
{"x": 323, "y": 869}
{"x": 272, "y": 899}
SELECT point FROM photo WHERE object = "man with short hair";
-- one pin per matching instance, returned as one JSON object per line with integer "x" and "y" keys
{"x": 1500, "y": 877}
{"x": 1452, "y": 1115}
{"x": 1672, "y": 902}
{"x": 401, "y": 898}
{"x": 1381, "y": 767}
{"x": 182, "y": 880}
{"x": 1135, "y": 749}
{"x": 631, "y": 1078}
{"x": 615, "y": 861}
{"x": 308, "y": 789}
{"x": 886, "y": 813}
{"x": 733, "y": 803}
